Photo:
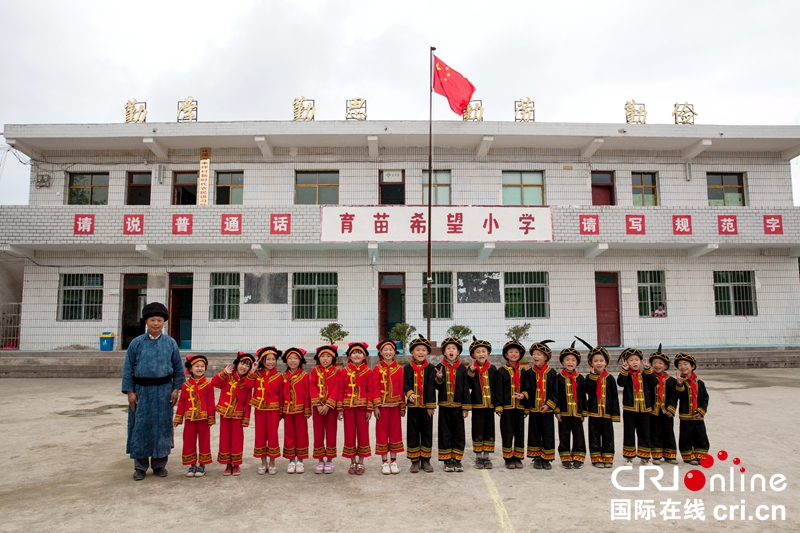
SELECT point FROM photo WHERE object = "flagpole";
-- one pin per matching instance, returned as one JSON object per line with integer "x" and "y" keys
{"x": 430, "y": 181}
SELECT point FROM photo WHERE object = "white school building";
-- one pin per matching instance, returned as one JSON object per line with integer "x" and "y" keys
{"x": 258, "y": 233}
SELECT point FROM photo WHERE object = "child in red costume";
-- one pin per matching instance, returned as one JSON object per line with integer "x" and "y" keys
{"x": 355, "y": 403}
{"x": 236, "y": 384}
{"x": 296, "y": 410}
{"x": 196, "y": 407}
{"x": 324, "y": 383}
{"x": 267, "y": 401}
{"x": 389, "y": 405}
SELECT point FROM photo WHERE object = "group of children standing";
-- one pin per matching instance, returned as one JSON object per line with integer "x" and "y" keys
{"x": 355, "y": 393}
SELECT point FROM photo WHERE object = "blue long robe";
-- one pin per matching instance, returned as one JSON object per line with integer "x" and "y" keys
{"x": 150, "y": 426}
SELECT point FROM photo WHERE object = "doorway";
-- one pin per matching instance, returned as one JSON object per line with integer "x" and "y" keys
{"x": 606, "y": 289}
{"x": 134, "y": 298}
{"x": 391, "y": 301}
{"x": 180, "y": 309}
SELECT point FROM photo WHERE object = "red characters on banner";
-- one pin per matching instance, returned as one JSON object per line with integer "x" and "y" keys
{"x": 231, "y": 224}
{"x": 381, "y": 222}
{"x": 773, "y": 224}
{"x": 681, "y": 224}
{"x": 132, "y": 224}
{"x": 181, "y": 224}
{"x": 455, "y": 223}
{"x": 347, "y": 222}
{"x": 634, "y": 224}
{"x": 590, "y": 224}
{"x": 280, "y": 224}
{"x": 418, "y": 224}
{"x": 527, "y": 223}
{"x": 489, "y": 222}
{"x": 726, "y": 225}
{"x": 84, "y": 225}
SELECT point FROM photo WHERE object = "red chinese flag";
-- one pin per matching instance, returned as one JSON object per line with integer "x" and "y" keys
{"x": 456, "y": 88}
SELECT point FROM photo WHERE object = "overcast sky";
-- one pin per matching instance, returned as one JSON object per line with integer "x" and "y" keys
{"x": 738, "y": 62}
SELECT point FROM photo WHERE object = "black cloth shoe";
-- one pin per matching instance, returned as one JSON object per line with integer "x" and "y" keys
{"x": 160, "y": 472}
{"x": 138, "y": 475}
{"x": 479, "y": 462}
{"x": 537, "y": 463}
{"x": 426, "y": 465}
{"x": 567, "y": 464}
{"x": 546, "y": 465}
{"x": 511, "y": 464}
{"x": 518, "y": 463}
{"x": 414, "y": 466}
{"x": 487, "y": 464}
{"x": 577, "y": 465}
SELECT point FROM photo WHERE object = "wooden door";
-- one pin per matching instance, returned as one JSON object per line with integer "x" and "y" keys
{"x": 607, "y": 304}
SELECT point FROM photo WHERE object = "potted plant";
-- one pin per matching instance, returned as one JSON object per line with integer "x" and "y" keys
{"x": 402, "y": 332}
{"x": 333, "y": 333}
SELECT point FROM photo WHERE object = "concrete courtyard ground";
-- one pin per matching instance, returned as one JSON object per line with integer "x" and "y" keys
{"x": 64, "y": 469}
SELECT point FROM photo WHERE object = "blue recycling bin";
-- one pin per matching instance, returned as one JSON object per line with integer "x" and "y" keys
{"x": 106, "y": 341}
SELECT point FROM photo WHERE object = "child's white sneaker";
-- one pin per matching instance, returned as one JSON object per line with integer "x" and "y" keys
{"x": 645, "y": 461}
{"x": 385, "y": 468}
{"x": 291, "y": 468}
{"x": 262, "y": 470}
{"x": 394, "y": 468}
{"x": 272, "y": 470}
{"x": 299, "y": 468}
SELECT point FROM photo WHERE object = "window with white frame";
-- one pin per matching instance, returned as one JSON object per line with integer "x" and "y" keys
{"x": 735, "y": 293}
{"x": 441, "y": 295}
{"x": 652, "y": 296}
{"x": 315, "y": 295}
{"x": 81, "y": 297}
{"x": 526, "y": 295}
{"x": 225, "y": 296}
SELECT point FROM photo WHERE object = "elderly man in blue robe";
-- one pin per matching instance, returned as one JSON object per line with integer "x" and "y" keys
{"x": 151, "y": 377}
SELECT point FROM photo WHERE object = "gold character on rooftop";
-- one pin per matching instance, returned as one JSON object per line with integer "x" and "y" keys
{"x": 187, "y": 110}
{"x": 474, "y": 111}
{"x": 135, "y": 111}
{"x": 684, "y": 113}
{"x": 356, "y": 109}
{"x": 303, "y": 109}
{"x": 524, "y": 110}
{"x": 635, "y": 113}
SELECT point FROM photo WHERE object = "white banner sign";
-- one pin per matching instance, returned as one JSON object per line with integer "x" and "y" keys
{"x": 402, "y": 223}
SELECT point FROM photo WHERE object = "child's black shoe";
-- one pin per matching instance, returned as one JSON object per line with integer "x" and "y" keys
{"x": 537, "y": 463}
{"x": 546, "y": 465}
{"x": 457, "y": 466}
{"x": 567, "y": 464}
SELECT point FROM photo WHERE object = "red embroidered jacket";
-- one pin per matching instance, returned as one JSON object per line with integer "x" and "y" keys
{"x": 296, "y": 394}
{"x": 196, "y": 402}
{"x": 325, "y": 383}
{"x": 387, "y": 385}
{"x": 267, "y": 390}
{"x": 234, "y": 397}
{"x": 355, "y": 387}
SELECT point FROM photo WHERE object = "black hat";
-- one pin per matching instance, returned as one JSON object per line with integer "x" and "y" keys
{"x": 570, "y": 350}
{"x": 594, "y": 351}
{"x": 192, "y": 358}
{"x": 299, "y": 352}
{"x": 542, "y": 347}
{"x": 479, "y": 343}
{"x": 658, "y": 355}
{"x": 242, "y": 355}
{"x": 263, "y": 351}
{"x": 630, "y": 352}
{"x": 513, "y": 343}
{"x": 686, "y": 357}
{"x": 386, "y": 342}
{"x": 421, "y": 341}
{"x": 155, "y": 309}
{"x": 453, "y": 340}
{"x": 330, "y": 349}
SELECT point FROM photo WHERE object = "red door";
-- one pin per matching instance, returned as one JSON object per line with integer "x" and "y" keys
{"x": 607, "y": 300}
